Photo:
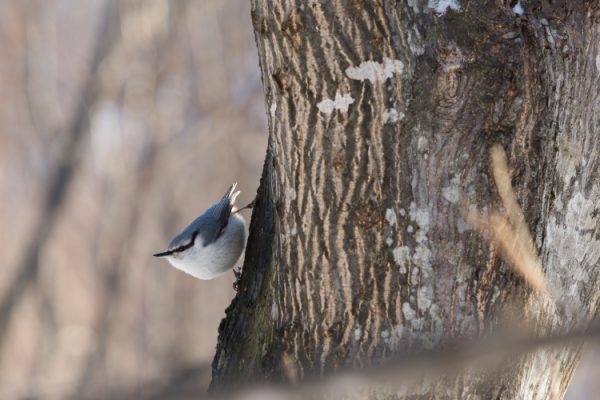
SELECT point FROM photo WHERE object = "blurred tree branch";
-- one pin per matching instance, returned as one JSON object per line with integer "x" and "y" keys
{"x": 60, "y": 179}
{"x": 112, "y": 270}
{"x": 398, "y": 370}
{"x": 483, "y": 354}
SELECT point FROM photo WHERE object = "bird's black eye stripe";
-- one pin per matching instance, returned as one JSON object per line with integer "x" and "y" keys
{"x": 186, "y": 246}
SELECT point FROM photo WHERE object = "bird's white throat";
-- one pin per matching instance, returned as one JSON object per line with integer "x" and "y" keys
{"x": 208, "y": 262}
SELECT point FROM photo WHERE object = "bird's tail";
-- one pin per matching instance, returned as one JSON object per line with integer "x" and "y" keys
{"x": 231, "y": 194}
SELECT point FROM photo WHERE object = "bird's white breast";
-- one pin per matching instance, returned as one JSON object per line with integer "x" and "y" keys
{"x": 208, "y": 262}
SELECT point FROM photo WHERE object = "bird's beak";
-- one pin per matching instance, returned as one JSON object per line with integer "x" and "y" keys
{"x": 163, "y": 254}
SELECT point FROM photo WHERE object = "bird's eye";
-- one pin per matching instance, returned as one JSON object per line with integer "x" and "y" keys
{"x": 187, "y": 245}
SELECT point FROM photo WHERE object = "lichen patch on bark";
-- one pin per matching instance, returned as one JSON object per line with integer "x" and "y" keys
{"x": 375, "y": 71}
{"x": 340, "y": 102}
{"x": 442, "y": 6}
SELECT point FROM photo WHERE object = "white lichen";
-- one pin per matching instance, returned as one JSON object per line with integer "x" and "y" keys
{"x": 374, "y": 71}
{"x": 558, "y": 204}
{"x": 389, "y": 338}
{"x": 438, "y": 322}
{"x": 392, "y": 115}
{"x": 415, "y": 5}
{"x": 422, "y": 144}
{"x": 422, "y": 257}
{"x": 408, "y": 312}
{"x": 452, "y": 192}
{"x": 398, "y": 330}
{"x": 518, "y": 8}
{"x": 568, "y": 158}
{"x": 572, "y": 247}
{"x": 401, "y": 255}
{"x": 272, "y": 109}
{"x": 357, "y": 333}
{"x": 390, "y": 217}
{"x": 274, "y": 312}
{"x": 424, "y": 296}
{"x": 423, "y": 220}
{"x": 414, "y": 42}
{"x": 580, "y": 213}
{"x": 419, "y": 324}
{"x": 341, "y": 103}
{"x": 442, "y": 6}
{"x": 292, "y": 194}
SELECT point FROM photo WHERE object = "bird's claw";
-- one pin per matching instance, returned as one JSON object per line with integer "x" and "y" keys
{"x": 237, "y": 272}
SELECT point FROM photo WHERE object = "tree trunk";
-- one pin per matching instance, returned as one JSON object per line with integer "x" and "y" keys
{"x": 381, "y": 116}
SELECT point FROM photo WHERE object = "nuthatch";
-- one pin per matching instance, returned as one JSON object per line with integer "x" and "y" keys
{"x": 212, "y": 243}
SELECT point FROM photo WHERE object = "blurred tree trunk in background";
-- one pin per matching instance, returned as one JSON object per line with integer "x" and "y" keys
{"x": 382, "y": 114}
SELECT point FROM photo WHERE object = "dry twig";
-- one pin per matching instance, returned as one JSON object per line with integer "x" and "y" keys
{"x": 510, "y": 232}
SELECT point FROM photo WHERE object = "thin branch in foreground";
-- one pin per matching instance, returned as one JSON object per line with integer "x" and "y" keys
{"x": 396, "y": 372}
{"x": 402, "y": 369}
{"x": 509, "y": 199}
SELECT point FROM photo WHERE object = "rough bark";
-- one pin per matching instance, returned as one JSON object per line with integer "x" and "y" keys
{"x": 381, "y": 116}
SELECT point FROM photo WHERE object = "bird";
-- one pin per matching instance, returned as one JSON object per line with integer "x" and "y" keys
{"x": 212, "y": 243}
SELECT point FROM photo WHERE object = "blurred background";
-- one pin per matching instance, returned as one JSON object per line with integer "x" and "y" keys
{"x": 121, "y": 122}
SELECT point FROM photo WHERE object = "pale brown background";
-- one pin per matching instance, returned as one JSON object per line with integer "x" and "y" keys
{"x": 173, "y": 126}
{"x": 178, "y": 116}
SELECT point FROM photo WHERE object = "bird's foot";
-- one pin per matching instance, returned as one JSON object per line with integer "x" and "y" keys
{"x": 237, "y": 272}
{"x": 250, "y": 205}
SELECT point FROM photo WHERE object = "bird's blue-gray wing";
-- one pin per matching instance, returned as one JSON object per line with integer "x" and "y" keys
{"x": 211, "y": 225}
